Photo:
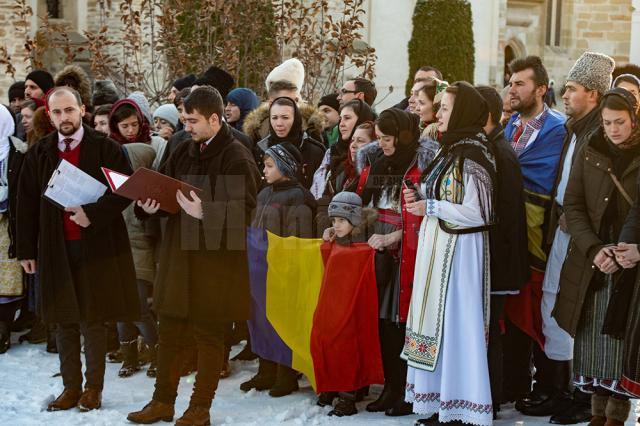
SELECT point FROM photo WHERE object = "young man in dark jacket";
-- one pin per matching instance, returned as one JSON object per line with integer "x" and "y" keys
{"x": 203, "y": 280}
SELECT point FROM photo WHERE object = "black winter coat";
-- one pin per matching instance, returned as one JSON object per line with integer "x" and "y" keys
{"x": 16, "y": 157}
{"x": 182, "y": 135}
{"x": 508, "y": 238}
{"x": 203, "y": 274}
{"x": 105, "y": 288}
{"x": 286, "y": 209}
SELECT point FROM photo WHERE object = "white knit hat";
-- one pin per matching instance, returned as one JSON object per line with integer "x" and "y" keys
{"x": 290, "y": 70}
{"x": 593, "y": 70}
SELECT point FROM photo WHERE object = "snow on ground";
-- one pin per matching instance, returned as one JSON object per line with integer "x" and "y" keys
{"x": 27, "y": 385}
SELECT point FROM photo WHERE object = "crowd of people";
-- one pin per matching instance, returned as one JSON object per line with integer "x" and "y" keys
{"x": 505, "y": 235}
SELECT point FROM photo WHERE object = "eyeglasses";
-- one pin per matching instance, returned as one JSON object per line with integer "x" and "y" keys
{"x": 345, "y": 91}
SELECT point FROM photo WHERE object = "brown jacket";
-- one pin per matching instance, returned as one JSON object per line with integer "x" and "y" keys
{"x": 588, "y": 194}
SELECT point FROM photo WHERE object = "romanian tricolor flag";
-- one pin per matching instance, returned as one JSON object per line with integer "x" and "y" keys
{"x": 315, "y": 309}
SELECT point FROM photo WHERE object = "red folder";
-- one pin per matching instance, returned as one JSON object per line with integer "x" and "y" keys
{"x": 148, "y": 184}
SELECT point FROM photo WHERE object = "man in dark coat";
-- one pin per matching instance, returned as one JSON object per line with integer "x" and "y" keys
{"x": 586, "y": 83}
{"x": 203, "y": 281}
{"x": 508, "y": 239}
{"x": 83, "y": 254}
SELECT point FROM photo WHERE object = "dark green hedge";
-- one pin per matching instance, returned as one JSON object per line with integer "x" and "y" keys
{"x": 443, "y": 38}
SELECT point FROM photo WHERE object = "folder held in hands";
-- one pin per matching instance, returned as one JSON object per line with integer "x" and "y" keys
{"x": 148, "y": 184}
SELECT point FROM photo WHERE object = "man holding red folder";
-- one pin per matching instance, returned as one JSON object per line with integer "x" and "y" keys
{"x": 83, "y": 254}
{"x": 203, "y": 281}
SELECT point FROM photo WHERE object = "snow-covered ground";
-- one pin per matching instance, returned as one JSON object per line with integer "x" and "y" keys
{"x": 27, "y": 385}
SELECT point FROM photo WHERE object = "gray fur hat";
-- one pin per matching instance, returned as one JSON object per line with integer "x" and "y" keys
{"x": 347, "y": 205}
{"x": 593, "y": 70}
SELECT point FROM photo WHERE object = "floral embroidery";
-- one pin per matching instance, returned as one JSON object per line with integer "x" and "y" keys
{"x": 454, "y": 404}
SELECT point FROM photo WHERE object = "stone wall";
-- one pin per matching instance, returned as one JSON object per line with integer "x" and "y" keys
{"x": 9, "y": 38}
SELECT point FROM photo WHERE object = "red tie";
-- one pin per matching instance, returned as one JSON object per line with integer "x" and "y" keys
{"x": 67, "y": 144}
{"x": 203, "y": 146}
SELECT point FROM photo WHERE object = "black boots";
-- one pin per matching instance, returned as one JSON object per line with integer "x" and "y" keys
{"x": 265, "y": 379}
{"x": 578, "y": 411}
{"x": 37, "y": 334}
{"x": 286, "y": 382}
{"x": 131, "y": 364}
{"x": 346, "y": 406}
{"x": 5, "y": 337}
{"x": 385, "y": 401}
{"x": 549, "y": 398}
{"x": 326, "y": 398}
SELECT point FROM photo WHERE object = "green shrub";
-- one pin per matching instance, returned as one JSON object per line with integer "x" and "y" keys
{"x": 442, "y": 38}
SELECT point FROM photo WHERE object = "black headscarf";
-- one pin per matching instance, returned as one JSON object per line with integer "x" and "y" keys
{"x": 296, "y": 133}
{"x": 389, "y": 170}
{"x": 340, "y": 150}
{"x": 469, "y": 115}
{"x": 465, "y": 139}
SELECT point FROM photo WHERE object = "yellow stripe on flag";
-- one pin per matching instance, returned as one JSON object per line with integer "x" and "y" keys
{"x": 294, "y": 277}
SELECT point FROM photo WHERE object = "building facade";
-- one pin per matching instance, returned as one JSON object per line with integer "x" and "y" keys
{"x": 558, "y": 31}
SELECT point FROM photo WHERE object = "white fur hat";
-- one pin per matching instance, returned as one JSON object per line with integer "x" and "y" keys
{"x": 290, "y": 70}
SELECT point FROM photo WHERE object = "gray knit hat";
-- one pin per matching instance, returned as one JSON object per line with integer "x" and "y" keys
{"x": 347, "y": 205}
{"x": 593, "y": 70}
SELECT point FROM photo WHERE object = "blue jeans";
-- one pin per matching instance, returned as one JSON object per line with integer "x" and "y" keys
{"x": 128, "y": 331}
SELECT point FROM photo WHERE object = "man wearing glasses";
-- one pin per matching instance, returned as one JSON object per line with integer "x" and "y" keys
{"x": 358, "y": 88}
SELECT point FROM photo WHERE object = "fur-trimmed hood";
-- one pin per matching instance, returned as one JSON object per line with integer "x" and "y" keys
{"x": 76, "y": 77}
{"x": 256, "y": 124}
{"x": 366, "y": 155}
{"x": 427, "y": 150}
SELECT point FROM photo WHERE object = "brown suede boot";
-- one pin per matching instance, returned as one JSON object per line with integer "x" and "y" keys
{"x": 152, "y": 412}
{"x": 598, "y": 406}
{"x": 68, "y": 399}
{"x": 196, "y": 415}
{"x": 617, "y": 411}
{"x": 91, "y": 399}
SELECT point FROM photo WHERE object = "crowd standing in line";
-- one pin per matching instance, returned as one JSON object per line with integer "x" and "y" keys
{"x": 504, "y": 235}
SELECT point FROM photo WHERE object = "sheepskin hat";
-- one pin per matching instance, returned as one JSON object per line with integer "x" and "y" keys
{"x": 593, "y": 70}
{"x": 290, "y": 70}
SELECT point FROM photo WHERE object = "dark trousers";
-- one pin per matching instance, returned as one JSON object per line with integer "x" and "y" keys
{"x": 128, "y": 331}
{"x": 494, "y": 350}
{"x": 68, "y": 340}
{"x": 210, "y": 341}
{"x": 391, "y": 345}
{"x": 95, "y": 349}
{"x": 520, "y": 353}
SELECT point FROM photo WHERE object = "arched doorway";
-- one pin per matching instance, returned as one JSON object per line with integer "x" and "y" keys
{"x": 509, "y": 55}
{"x": 514, "y": 49}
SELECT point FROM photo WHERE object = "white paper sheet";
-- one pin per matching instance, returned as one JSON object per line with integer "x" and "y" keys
{"x": 71, "y": 187}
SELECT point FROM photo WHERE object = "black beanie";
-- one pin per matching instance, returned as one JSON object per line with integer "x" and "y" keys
{"x": 16, "y": 90}
{"x": 42, "y": 78}
{"x": 184, "y": 82}
{"x": 104, "y": 92}
{"x": 330, "y": 100}
{"x": 217, "y": 78}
